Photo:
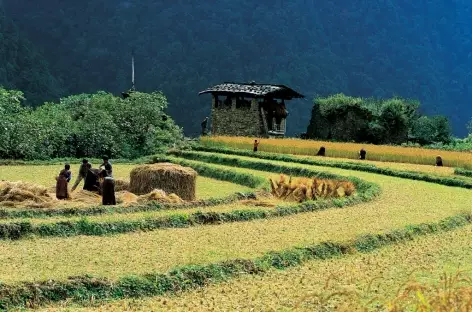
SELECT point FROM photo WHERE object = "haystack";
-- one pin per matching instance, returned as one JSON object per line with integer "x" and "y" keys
{"x": 121, "y": 185}
{"x": 168, "y": 177}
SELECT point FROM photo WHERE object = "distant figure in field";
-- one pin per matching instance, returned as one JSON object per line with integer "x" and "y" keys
{"x": 108, "y": 189}
{"x": 62, "y": 183}
{"x": 439, "y": 161}
{"x": 362, "y": 154}
{"x": 82, "y": 174}
{"x": 91, "y": 182}
{"x": 321, "y": 152}
{"x": 107, "y": 166}
{"x": 204, "y": 125}
{"x": 256, "y": 144}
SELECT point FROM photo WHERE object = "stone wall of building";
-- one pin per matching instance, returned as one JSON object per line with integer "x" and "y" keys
{"x": 237, "y": 121}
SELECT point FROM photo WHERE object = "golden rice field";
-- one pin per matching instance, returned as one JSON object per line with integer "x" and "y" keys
{"x": 349, "y": 284}
{"x": 353, "y": 283}
{"x": 359, "y": 282}
{"x": 382, "y": 153}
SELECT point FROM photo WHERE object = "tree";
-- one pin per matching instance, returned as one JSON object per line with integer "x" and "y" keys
{"x": 394, "y": 121}
{"x": 429, "y": 130}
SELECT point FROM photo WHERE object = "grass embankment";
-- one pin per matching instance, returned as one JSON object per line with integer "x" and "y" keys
{"x": 463, "y": 172}
{"x": 398, "y": 276}
{"x": 346, "y": 150}
{"x": 45, "y": 175}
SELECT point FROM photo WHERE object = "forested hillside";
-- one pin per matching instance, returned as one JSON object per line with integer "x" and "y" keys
{"x": 22, "y": 67}
{"x": 413, "y": 49}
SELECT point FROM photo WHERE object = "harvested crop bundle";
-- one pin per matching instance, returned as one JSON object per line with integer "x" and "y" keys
{"x": 168, "y": 177}
{"x": 160, "y": 196}
{"x": 23, "y": 191}
{"x": 126, "y": 198}
{"x": 302, "y": 189}
{"x": 121, "y": 185}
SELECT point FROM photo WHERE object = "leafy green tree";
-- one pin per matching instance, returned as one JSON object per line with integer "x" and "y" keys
{"x": 142, "y": 121}
{"x": 394, "y": 121}
{"x": 429, "y": 130}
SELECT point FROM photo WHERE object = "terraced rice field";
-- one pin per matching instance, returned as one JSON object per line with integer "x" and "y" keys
{"x": 383, "y": 153}
{"x": 347, "y": 284}
{"x": 353, "y": 278}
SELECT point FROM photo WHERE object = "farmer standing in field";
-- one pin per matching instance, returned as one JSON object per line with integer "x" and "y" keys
{"x": 91, "y": 182}
{"x": 62, "y": 183}
{"x": 108, "y": 189}
{"x": 107, "y": 165}
{"x": 82, "y": 174}
{"x": 256, "y": 144}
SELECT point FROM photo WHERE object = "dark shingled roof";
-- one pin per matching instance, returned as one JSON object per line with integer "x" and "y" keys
{"x": 254, "y": 90}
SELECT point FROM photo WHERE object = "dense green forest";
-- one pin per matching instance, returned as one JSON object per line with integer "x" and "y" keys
{"x": 412, "y": 49}
{"x": 23, "y": 67}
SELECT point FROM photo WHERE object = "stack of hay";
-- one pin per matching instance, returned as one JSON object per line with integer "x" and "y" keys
{"x": 302, "y": 189}
{"x": 121, "y": 185}
{"x": 13, "y": 194}
{"x": 167, "y": 177}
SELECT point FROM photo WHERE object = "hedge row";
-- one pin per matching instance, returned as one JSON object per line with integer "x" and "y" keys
{"x": 463, "y": 172}
{"x": 202, "y": 169}
{"x": 82, "y": 289}
{"x": 411, "y": 175}
{"x": 365, "y": 191}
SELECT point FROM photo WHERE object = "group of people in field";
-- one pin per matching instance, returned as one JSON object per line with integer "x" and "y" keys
{"x": 99, "y": 181}
{"x": 362, "y": 153}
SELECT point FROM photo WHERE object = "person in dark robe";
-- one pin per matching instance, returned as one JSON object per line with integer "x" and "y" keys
{"x": 91, "y": 182}
{"x": 62, "y": 183}
{"x": 362, "y": 154}
{"x": 321, "y": 151}
{"x": 108, "y": 189}
{"x": 439, "y": 161}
